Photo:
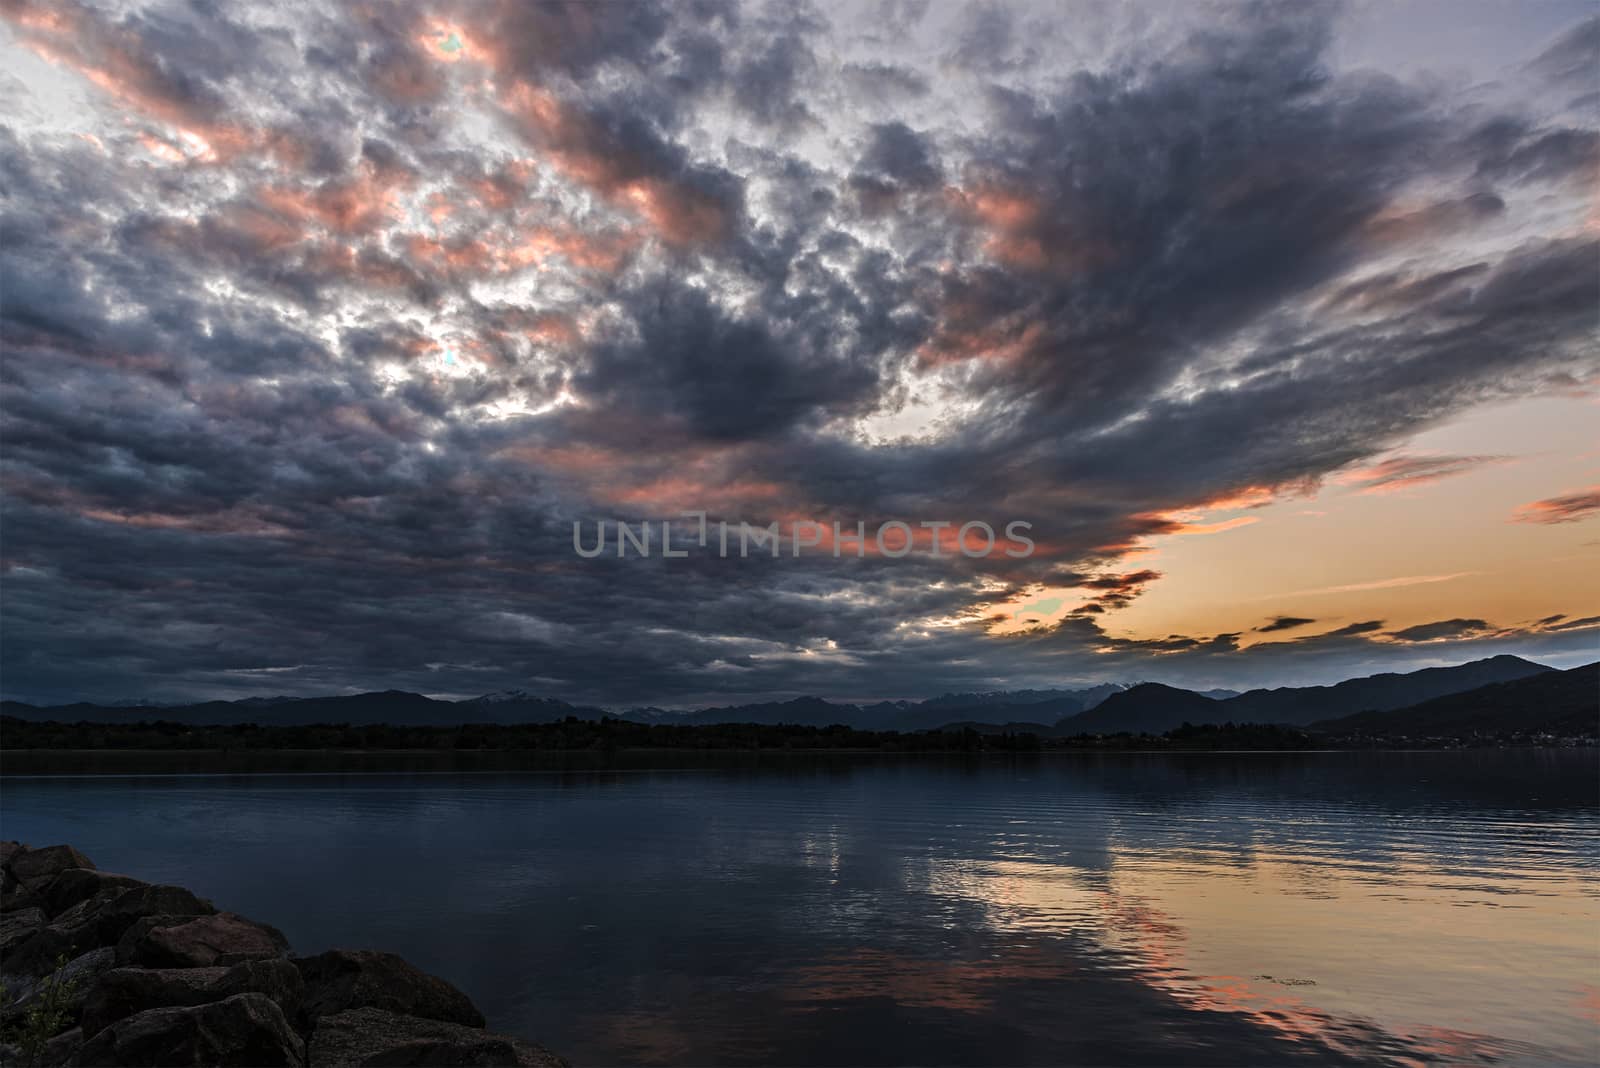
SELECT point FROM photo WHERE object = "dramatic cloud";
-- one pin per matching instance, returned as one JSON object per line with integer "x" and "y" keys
{"x": 322, "y": 326}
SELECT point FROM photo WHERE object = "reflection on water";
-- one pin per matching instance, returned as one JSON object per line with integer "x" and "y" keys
{"x": 1103, "y": 909}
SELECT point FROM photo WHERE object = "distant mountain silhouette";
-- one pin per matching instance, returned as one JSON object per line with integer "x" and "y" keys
{"x": 1149, "y": 708}
{"x": 986, "y": 709}
{"x": 1043, "y": 730}
{"x": 1103, "y": 709}
{"x": 1078, "y": 700}
{"x": 1309, "y": 704}
{"x": 801, "y": 711}
{"x": 1565, "y": 703}
{"x": 396, "y": 707}
{"x": 1154, "y": 708}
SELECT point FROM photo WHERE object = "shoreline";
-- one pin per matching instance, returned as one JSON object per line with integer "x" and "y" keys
{"x": 20, "y": 764}
{"x": 106, "y": 969}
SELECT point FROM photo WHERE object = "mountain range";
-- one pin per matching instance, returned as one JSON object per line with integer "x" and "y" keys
{"x": 1477, "y": 695}
{"x": 401, "y": 708}
{"x": 1562, "y": 703}
{"x": 1154, "y": 709}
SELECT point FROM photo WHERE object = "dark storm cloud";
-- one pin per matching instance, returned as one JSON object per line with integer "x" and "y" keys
{"x": 1574, "y": 624}
{"x": 885, "y": 83}
{"x": 1365, "y": 627}
{"x": 1555, "y": 155}
{"x": 1574, "y": 56}
{"x": 716, "y": 377}
{"x": 988, "y": 40}
{"x": 1284, "y": 623}
{"x": 1444, "y": 628}
{"x": 770, "y": 85}
{"x": 576, "y": 38}
{"x": 306, "y": 377}
{"x": 896, "y": 151}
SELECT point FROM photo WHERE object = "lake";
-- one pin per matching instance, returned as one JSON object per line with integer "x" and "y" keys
{"x": 1204, "y": 908}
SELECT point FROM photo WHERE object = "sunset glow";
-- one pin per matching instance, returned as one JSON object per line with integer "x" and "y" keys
{"x": 1282, "y": 340}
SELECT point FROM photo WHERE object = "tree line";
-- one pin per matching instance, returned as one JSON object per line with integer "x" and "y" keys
{"x": 608, "y": 734}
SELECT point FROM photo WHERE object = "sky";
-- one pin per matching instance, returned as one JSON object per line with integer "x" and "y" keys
{"x": 322, "y": 326}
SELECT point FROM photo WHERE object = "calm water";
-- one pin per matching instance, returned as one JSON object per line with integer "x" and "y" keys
{"x": 1072, "y": 908}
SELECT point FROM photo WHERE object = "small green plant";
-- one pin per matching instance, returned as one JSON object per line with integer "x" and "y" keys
{"x": 47, "y": 1016}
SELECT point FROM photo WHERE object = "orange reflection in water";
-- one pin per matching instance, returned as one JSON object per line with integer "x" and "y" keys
{"x": 1403, "y": 954}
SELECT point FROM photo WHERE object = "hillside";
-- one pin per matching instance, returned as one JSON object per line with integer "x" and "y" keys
{"x": 1107, "y": 709}
{"x": 395, "y": 707}
{"x": 1303, "y": 705}
{"x": 1564, "y": 703}
{"x": 1149, "y": 707}
{"x": 1154, "y": 708}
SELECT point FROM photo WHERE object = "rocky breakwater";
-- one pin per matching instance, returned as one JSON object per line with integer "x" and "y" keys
{"x": 105, "y": 969}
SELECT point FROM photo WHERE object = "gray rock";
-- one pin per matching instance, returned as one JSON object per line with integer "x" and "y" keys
{"x": 131, "y": 939}
{"x": 17, "y": 898}
{"x": 123, "y": 992}
{"x": 374, "y": 1037}
{"x": 81, "y": 972}
{"x": 49, "y": 945}
{"x": 77, "y": 885}
{"x": 35, "y": 867}
{"x": 83, "y": 912}
{"x": 98, "y": 921}
{"x": 199, "y": 941}
{"x": 17, "y": 927}
{"x": 116, "y": 916}
{"x": 59, "y": 1051}
{"x": 343, "y": 979}
{"x": 62, "y": 1049}
{"x": 9, "y": 849}
{"x": 245, "y": 1029}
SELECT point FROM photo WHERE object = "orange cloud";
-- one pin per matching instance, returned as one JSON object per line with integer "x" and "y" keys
{"x": 114, "y": 59}
{"x": 1213, "y": 528}
{"x": 1567, "y": 508}
{"x": 360, "y": 204}
{"x": 1021, "y": 235}
{"x": 587, "y": 154}
{"x": 1404, "y": 223}
{"x": 1406, "y": 472}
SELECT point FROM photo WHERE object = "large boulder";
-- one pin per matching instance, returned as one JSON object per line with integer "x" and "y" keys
{"x": 245, "y": 1029}
{"x": 199, "y": 941}
{"x": 19, "y": 926}
{"x": 49, "y": 946}
{"x": 77, "y": 976}
{"x": 342, "y": 979}
{"x": 15, "y": 898}
{"x": 60, "y": 1051}
{"x": 117, "y": 915}
{"x": 122, "y": 992}
{"x": 82, "y": 913}
{"x": 76, "y": 885}
{"x": 370, "y": 1036}
{"x": 9, "y": 849}
{"x": 99, "y": 921}
{"x": 63, "y": 1049}
{"x": 35, "y": 867}
{"x": 138, "y": 930}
